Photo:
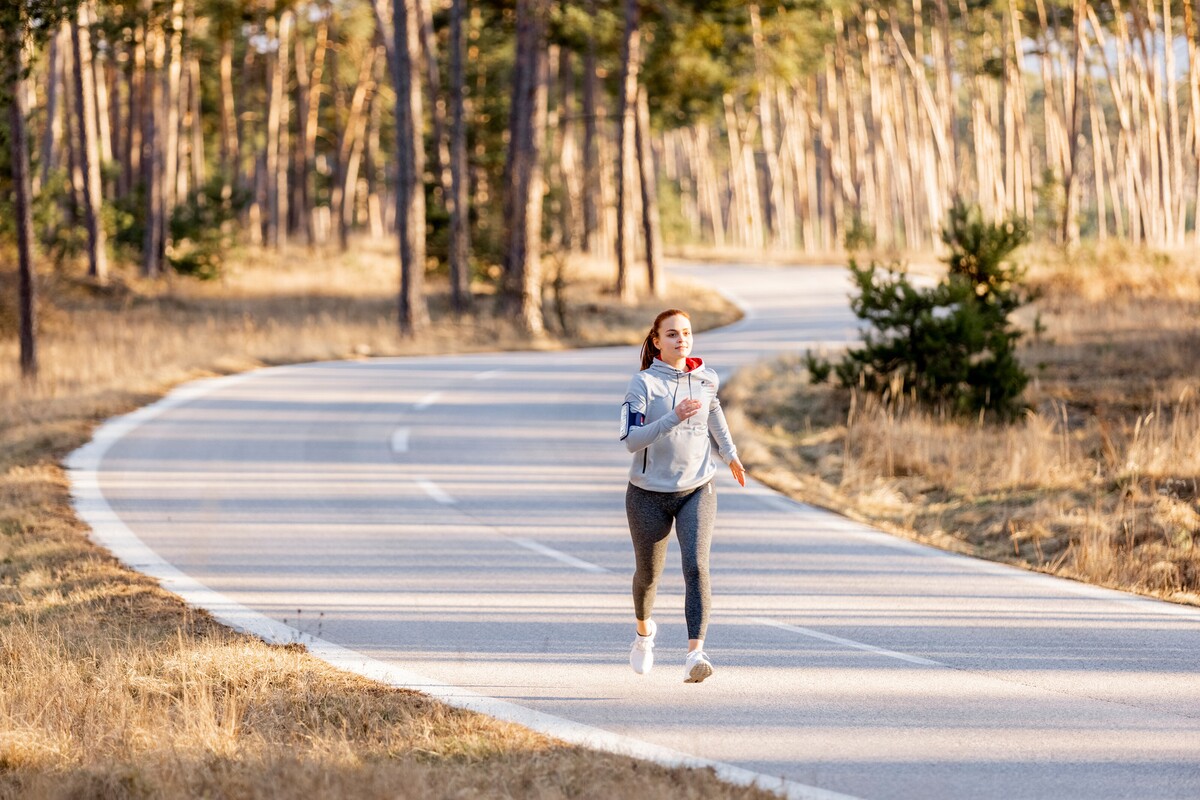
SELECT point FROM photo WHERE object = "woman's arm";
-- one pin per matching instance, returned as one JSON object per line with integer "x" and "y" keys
{"x": 637, "y": 432}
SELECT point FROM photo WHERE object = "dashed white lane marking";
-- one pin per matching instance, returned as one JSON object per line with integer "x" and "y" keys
{"x": 491, "y": 373}
{"x": 825, "y": 637}
{"x": 400, "y": 440}
{"x": 558, "y": 555}
{"x": 428, "y": 400}
{"x": 430, "y": 488}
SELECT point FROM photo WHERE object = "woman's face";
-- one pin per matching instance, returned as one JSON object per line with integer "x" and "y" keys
{"x": 674, "y": 338}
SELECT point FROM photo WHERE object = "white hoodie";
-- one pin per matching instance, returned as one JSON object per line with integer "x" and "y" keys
{"x": 670, "y": 455}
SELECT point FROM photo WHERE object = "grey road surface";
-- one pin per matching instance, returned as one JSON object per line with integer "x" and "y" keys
{"x": 463, "y": 518}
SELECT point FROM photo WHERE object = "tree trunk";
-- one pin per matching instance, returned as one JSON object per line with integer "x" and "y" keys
{"x": 89, "y": 151}
{"x": 571, "y": 190}
{"x": 310, "y": 107}
{"x": 351, "y": 145}
{"x": 227, "y": 109}
{"x": 104, "y": 137}
{"x": 523, "y": 170}
{"x": 460, "y": 243}
{"x": 1189, "y": 30}
{"x": 132, "y": 169}
{"x": 626, "y": 138}
{"x": 591, "y": 217}
{"x": 19, "y": 156}
{"x": 1069, "y": 232}
{"x": 199, "y": 173}
{"x": 52, "y": 137}
{"x": 650, "y": 220}
{"x": 152, "y": 155}
{"x": 410, "y": 158}
{"x": 437, "y": 105}
{"x": 277, "y": 133}
{"x": 170, "y": 136}
{"x": 777, "y": 227}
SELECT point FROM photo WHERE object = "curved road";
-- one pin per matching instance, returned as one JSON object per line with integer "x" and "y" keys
{"x": 457, "y": 524}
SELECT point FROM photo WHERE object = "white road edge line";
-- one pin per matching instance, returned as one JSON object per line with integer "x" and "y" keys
{"x": 109, "y": 531}
{"x": 428, "y": 400}
{"x": 826, "y": 637}
{"x": 433, "y": 490}
{"x": 558, "y": 555}
{"x": 485, "y": 376}
{"x": 400, "y": 440}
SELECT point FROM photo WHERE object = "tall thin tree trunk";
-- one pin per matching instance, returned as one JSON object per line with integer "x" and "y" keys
{"x": 626, "y": 114}
{"x": 649, "y": 184}
{"x": 278, "y": 118}
{"x": 523, "y": 185}
{"x": 52, "y": 138}
{"x": 460, "y": 242}
{"x": 309, "y": 108}
{"x": 132, "y": 169}
{"x": 591, "y": 219}
{"x": 777, "y": 226}
{"x": 568, "y": 155}
{"x": 1070, "y": 226}
{"x": 227, "y": 110}
{"x": 437, "y": 104}
{"x": 170, "y": 135}
{"x": 350, "y": 147}
{"x": 1189, "y": 30}
{"x": 104, "y": 137}
{"x": 152, "y": 155}
{"x": 410, "y": 158}
{"x": 89, "y": 151}
{"x": 199, "y": 173}
{"x": 22, "y": 195}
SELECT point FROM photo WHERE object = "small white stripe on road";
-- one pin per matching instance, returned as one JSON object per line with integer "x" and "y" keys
{"x": 558, "y": 555}
{"x": 825, "y": 637}
{"x": 430, "y": 488}
{"x": 491, "y": 373}
{"x": 428, "y": 400}
{"x": 400, "y": 440}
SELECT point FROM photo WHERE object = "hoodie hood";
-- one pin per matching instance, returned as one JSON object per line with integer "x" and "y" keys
{"x": 662, "y": 368}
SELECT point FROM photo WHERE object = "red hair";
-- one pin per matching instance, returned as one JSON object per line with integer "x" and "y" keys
{"x": 649, "y": 351}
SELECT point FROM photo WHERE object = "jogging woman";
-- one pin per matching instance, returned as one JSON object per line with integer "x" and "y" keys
{"x": 671, "y": 410}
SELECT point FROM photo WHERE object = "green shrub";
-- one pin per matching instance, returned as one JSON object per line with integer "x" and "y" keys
{"x": 951, "y": 345}
{"x": 202, "y": 230}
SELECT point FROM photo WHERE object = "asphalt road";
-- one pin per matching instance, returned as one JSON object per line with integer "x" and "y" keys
{"x": 460, "y": 520}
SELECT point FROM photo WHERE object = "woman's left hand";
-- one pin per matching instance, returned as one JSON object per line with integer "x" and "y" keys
{"x": 739, "y": 472}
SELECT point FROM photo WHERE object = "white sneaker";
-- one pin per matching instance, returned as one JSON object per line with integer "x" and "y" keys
{"x": 641, "y": 655}
{"x": 696, "y": 667}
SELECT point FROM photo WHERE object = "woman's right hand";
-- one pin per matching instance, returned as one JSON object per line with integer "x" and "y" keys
{"x": 687, "y": 409}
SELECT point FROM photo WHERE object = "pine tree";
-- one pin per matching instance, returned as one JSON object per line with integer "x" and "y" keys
{"x": 952, "y": 345}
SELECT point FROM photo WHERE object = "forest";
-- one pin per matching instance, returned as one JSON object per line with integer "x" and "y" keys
{"x": 481, "y": 136}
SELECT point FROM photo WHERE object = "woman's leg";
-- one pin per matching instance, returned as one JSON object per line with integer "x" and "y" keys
{"x": 694, "y": 527}
{"x": 649, "y": 525}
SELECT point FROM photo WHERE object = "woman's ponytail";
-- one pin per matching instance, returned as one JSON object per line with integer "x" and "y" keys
{"x": 649, "y": 351}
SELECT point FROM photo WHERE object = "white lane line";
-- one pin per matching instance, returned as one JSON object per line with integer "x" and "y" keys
{"x": 428, "y": 400}
{"x": 485, "y": 376}
{"x": 400, "y": 440}
{"x": 825, "y": 637}
{"x": 558, "y": 555}
{"x": 430, "y": 488}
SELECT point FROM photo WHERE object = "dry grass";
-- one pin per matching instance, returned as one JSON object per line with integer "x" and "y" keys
{"x": 1099, "y": 481}
{"x": 110, "y": 687}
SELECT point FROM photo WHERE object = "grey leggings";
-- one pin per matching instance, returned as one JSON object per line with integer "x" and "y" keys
{"x": 650, "y": 516}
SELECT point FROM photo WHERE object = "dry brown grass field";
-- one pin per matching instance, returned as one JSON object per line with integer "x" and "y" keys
{"x": 1100, "y": 481}
{"x": 110, "y": 687}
